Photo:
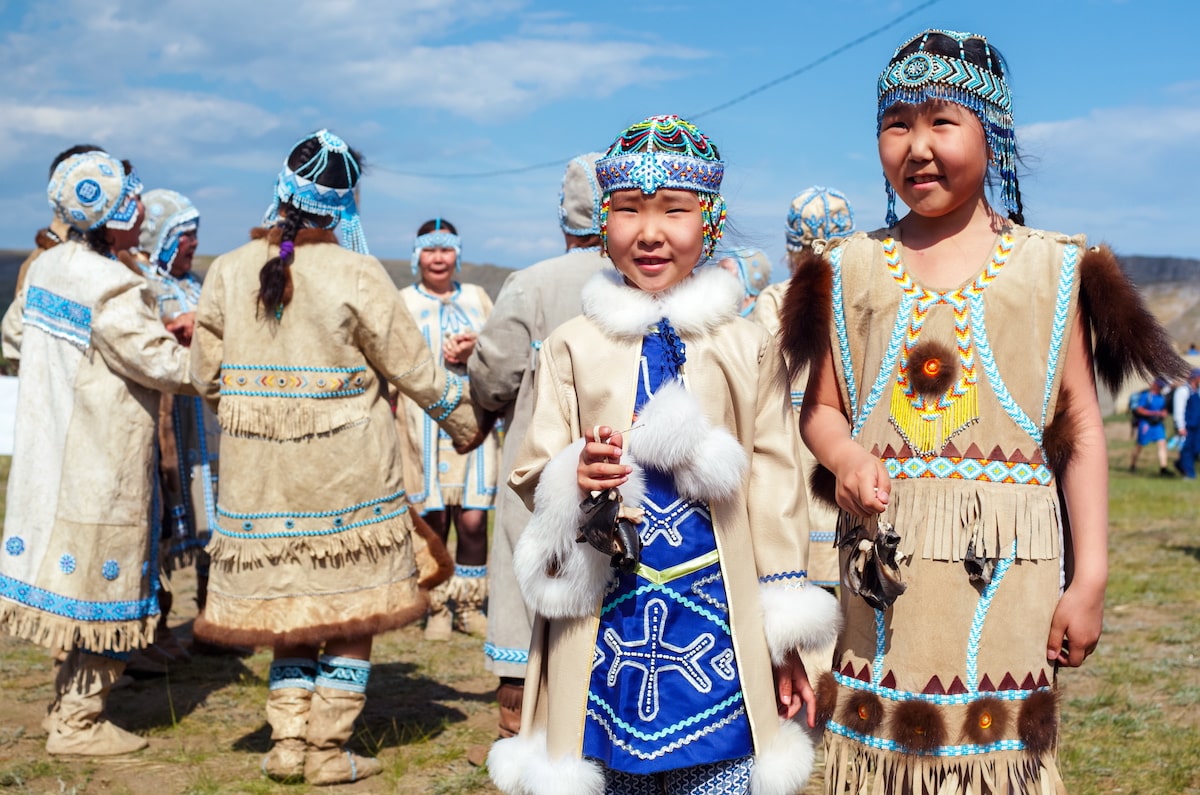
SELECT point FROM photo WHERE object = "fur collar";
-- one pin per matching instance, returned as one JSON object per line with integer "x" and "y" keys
{"x": 707, "y": 299}
{"x": 304, "y": 237}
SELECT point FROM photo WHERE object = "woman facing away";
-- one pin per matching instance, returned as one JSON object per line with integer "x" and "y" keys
{"x": 297, "y": 339}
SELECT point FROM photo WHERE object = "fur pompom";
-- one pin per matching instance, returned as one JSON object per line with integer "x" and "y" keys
{"x": 822, "y": 486}
{"x": 863, "y": 712}
{"x": 807, "y": 314}
{"x": 1037, "y": 724}
{"x": 986, "y": 721}
{"x": 522, "y": 766}
{"x": 932, "y": 368}
{"x": 783, "y": 767}
{"x": 674, "y": 436}
{"x": 918, "y": 726}
{"x": 1058, "y": 440}
{"x": 798, "y": 619}
{"x": 827, "y": 693}
{"x": 1128, "y": 338}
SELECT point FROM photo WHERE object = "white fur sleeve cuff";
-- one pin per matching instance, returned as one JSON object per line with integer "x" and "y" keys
{"x": 804, "y": 618}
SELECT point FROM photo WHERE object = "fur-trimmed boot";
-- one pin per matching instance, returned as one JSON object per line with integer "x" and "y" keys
{"x": 76, "y": 723}
{"x": 469, "y": 587}
{"x": 337, "y": 700}
{"x": 440, "y": 622}
{"x": 288, "y": 703}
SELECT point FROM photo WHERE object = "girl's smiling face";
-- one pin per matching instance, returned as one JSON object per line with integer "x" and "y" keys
{"x": 655, "y": 240}
{"x": 934, "y": 155}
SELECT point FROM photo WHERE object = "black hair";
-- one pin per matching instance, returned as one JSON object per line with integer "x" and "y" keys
{"x": 979, "y": 52}
{"x": 77, "y": 149}
{"x": 436, "y": 225}
{"x": 342, "y": 170}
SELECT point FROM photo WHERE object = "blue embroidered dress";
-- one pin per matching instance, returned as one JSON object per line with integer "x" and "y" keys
{"x": 665, "y": 689}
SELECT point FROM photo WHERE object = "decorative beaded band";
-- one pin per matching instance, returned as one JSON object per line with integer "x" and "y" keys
{"x": 921, "y": 69}
{"x": 649, "y": 171}
{"x": 447, "y": 407}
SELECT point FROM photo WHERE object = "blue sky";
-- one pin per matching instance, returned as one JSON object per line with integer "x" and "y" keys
{"x": 206, "y": 98}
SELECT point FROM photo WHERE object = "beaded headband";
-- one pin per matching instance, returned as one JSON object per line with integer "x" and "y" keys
{"x": 300, "y": 189}
{"x": 665, "y": 152}
{"x": 169, "y": 216}
{"x": 817, "y": 213}
{"x": 438, "y": 238}
{"x": 921, "y": 76}
{"x": 91, "y": 190}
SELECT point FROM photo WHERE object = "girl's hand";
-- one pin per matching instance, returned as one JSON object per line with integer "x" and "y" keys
{"x": 793, "y": 691}
{"x": 600, "y": 464}
{"x": 458, "y": 349}
{"x": 863, "y": 485}
{"x": 182, "y": 327}
{"x": 1075, "y": 627}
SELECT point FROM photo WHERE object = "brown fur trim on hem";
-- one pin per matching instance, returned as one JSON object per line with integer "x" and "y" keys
{"x": 806, "y": 314}
{"x": 1129, "y": 340}
{"x": 356, "y": 628}
{"x": 304, "y": 237}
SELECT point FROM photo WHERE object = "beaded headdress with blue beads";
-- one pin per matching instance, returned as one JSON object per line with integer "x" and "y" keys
{"x": 169, "y": 216}
{"x": 93, "y": 189}
{"x": 817, "y": 213}
{"x": 300, "y": 189}
{"x": 921, "y": 76}
{"x": 438, "y": 238}
{"x": 665, "y": 152}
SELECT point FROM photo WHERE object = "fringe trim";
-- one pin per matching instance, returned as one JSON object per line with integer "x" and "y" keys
{"x": 287, "y": 418}
{"x": 56, "y": 632}
{"x": 231, "y": 553}
{"x": 855, "y": 769}
{"x": 467, "y": 590}
{"x": 957, "y": 513}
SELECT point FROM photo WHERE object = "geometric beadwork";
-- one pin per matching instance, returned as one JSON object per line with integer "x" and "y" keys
{"x": 291, "y": 382}
{"x": 980, "y": 469}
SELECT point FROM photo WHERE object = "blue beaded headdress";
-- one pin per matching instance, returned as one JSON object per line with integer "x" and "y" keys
{"x": 300, "y": 189}
{"x": 438, "y": 238}
{"x": 921, "y": 76}
{"x": 817, "y": 213}
{"x": 579, "y": 199}
{"x": 91, "y": 190}
{"x": 665, "y": 152}
{"x": 169, "y": 216}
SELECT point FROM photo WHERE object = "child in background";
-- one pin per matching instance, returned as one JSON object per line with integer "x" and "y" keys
{"x": 657, "y": 677}
{"x": 951, "y": 393}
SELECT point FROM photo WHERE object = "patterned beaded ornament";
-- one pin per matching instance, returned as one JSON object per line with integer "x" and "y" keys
{"x": 91, "y": 190}
{"x": 817, "y": 213}
{"x": 921, "y": 76}
{"x": 169, "y": 216}
{"x": 665, "y": 152}
{"x": 299, "y": 188}
{"x": 438, "y": 238}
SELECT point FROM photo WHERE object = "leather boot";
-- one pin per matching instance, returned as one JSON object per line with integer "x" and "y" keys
{"x": 78, "y": 725}
{"x": 336, "y": 701}
{"x": 469, "y": 591}
{"x": 288, "y": 703}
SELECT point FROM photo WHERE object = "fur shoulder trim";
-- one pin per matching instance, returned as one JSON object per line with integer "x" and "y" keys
{"x": 560, "y": 577}
{"x": 522, "y": 765}
{"x": 803, "y": 619}
{"x": 674, "y": 436}
{"x": 807, "y": 314}
{"x": 304, "y": 237}
{"x": 1128, "y": 338}
{"x": 783, "y": 767}
{"x": 700, "y": 303}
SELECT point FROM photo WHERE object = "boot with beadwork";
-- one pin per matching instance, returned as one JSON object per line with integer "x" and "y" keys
{"x": 337, "y": 700}
{"x": 289, "y": 700}
{"x": 469, "y": 588}
{"x": 440, "y": 622}
{"x": 77, "y": 724}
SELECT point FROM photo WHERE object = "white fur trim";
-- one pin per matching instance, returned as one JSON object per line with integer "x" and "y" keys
{"x": 801, "y": 619}
{"x": 522, "y": 766}
{"x": 700, "y": 303}
{"x": 674, "y": 436}
{"x": 783, "y": 768}
{"x": 560, "y": 577}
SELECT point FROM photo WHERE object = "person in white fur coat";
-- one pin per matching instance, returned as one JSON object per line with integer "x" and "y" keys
{"x": 683, "y": 673}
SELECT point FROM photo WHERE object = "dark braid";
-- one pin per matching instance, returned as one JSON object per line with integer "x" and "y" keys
{"x": 96, "y": 239}
{"x": 275, "y": 277}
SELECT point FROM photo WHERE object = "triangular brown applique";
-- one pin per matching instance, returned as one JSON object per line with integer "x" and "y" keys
{"x": 1038, "y": 458}
{"x": 987, "y": 685}
{"x": 848, "y": 670}
{"x": 875, "y": 452}
{"x": 934, "y": 687}
{"x": 973, "y": 451}
{"x": 950, "y": 451}
{"x": 865, "y": 674}
{"x": 997, "y": 454}
{"x": 1017, "y": 457}
{"x": 1042, "y": 681}
{"x": 1027, "y": 683}
{"x": 905, "y": 451}
{"x": 889, "y": 681}
{"x": 957, "y": 687}
{"x": 1008, "y": 683}
{"x": 889, "y": 451}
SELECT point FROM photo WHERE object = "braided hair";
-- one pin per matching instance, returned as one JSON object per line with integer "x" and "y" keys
{"x": 275, "y": 278}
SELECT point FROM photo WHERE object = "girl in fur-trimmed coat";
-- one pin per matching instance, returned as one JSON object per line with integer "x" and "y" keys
{"x": 659, "y": 679}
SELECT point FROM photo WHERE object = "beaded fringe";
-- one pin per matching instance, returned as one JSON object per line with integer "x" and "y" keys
{"x": 57, "y": 632}
{"x": 955, "y": 513}
{"x": 852, "y": 768}
{"x": 233, "y": 553}
{"x": 283, "y": 419}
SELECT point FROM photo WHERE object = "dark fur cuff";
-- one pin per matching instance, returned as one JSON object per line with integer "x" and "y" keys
{"x": 1128, "y": 338}
{"x": 807, "y": 314}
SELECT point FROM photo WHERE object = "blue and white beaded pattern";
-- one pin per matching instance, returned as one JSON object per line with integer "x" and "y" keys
{"x": 343, "y": 673}
{"x": 649, "y": 171}
{"x": 58, "y": 316}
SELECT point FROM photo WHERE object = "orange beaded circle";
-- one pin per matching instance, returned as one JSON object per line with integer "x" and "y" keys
{"x": 932, "y": 367}
{"x": 985, "y": 720}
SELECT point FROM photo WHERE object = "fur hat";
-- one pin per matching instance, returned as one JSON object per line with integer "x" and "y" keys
{"x": 91, "y": 190}
{"x": 169, "y": 216}
{"x": 817, "y": 213}
{"x": 579, "y": 200}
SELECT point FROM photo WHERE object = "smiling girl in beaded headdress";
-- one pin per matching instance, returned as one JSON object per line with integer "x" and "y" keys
{"x": 655, "y": 642}
{"x": 312, "y": 547}
{"x": 952, "y": 398}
